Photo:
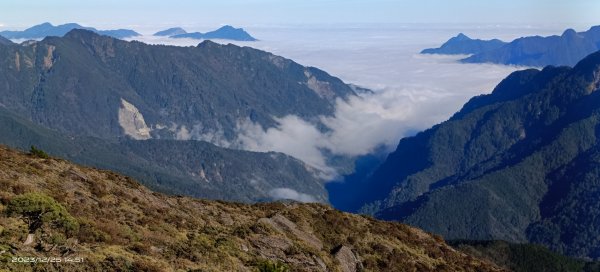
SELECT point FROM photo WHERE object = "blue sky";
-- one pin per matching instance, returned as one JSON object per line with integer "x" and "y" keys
{"x": 19, "y": 13}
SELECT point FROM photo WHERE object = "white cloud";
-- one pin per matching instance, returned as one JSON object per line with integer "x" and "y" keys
{"x": 364, "y": 123}
{"x": 149, "y": 39}
{"x": 358, "y": 126}
{"x": 293, "y": 136}
{"x": 199, "y": 133}
{"x": 287, "y": 193}
{"x": 183, "y": 134}
{"x": 412, "y": 91}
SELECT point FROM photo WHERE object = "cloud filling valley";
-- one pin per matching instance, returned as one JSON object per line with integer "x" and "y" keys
{"x": 411, "y": 92}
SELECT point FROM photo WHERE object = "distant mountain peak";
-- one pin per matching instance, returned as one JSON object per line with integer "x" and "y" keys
{"x": 228, "y": 27}
{"x": 49, "y": 26}
{"x": 207, "y": 43}
{"x": 40, "y": 27}
{"x": 229, "y": 32}
{"x": 225, "y": 32}
{"x": 70, "y": 25}
{"x": 590, "y": 68}
{"x": 569, "y": 33}
{"x": 78, "y": 33}
{"x": 171, "y": 32}
{"x": 462, "y": 44}
{"x": 462, "y": 36}
{"x": 47, "y": 29}
{"x": 594, "y": 28}
{"x": 566, "y": 49}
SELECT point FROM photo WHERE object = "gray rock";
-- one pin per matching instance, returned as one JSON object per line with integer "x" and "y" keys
{"x": 349, "y": 261}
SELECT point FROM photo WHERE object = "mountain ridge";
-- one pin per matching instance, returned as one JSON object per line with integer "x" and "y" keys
{"x": 496, "y": 168}
{"x": 226, "y": 32}
{"x": 108, "y": 93}
{"x": 462, "y": 44}
{"x": 47, "y": 29}
{"x": 191, "y": 168}
{"x": 5, "y": 41}
{"x": 566, "y": 49}
{"x": 212, "y": 87}
{"x": 170, "y": 32}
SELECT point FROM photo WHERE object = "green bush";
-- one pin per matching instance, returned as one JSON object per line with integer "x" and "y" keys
{"x": 270, "y": 266}
{"x": 38, "y": 152}
{"x": 38, "y": 209}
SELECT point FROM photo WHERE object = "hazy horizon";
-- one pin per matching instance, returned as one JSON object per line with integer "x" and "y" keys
{"x": 250, "y": 13}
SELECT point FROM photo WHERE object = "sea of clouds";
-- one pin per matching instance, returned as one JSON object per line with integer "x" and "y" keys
{"x": 411, "y": 92}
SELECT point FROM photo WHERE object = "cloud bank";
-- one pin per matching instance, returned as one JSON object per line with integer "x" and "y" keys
{"x": 368, "y": 122}
{"x": 291, "y": 194}
{"x": 412, "y": 92}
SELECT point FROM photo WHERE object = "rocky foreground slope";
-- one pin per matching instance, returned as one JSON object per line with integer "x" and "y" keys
{"x": 55, "y": 210}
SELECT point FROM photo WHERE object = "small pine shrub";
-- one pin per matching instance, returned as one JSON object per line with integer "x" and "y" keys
{"x": 270, "y": 266}
{"x": 38, "y": 152}
{"x": 39, "y": 209}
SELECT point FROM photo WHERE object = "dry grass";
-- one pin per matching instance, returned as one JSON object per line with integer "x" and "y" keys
{"x": 126, "y": 227}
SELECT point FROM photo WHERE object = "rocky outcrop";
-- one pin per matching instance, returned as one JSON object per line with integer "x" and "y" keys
{"x": 284, "y": 225}
{"x": 349, "y": 262}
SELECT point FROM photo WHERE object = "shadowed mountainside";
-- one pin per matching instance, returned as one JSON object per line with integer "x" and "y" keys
{"x": 90, "y": 97}
{"x": 92, "y": 85}
{"x": 566, "y": 49}
{"x": 523, "y": 257}
{"x": 520, "y": 164}
{"x": 192, "y": 168}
